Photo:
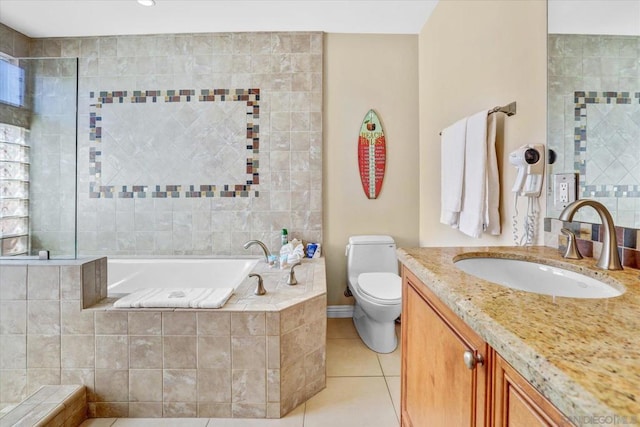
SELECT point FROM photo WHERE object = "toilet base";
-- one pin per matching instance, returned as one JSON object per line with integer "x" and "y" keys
{"x": 378, "y": 336}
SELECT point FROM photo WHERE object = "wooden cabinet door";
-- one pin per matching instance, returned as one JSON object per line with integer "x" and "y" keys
{"x": 517, "y": 404}
{"x": 438, "y": 389}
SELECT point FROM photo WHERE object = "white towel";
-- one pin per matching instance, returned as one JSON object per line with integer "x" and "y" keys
{"x": 133, "y": 299}
{"x": 475, "y": 176}
{"x": 452, "y": 157}
{"x": 492, "y": 193}
{"x": 214, "y": 299}
{"x": 176, "y": 298}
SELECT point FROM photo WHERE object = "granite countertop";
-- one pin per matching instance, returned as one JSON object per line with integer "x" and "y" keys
{"x": 582, "y": 354}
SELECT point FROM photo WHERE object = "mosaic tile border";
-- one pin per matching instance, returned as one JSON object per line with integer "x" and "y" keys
{"x": 250, "y": 96}
{"x": 581, "y": 99}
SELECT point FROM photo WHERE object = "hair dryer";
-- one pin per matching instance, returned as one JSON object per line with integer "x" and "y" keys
{"x": 529, "y": 159}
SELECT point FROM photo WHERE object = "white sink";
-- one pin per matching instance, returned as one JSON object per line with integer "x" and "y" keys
{"x": 537, "y": 278}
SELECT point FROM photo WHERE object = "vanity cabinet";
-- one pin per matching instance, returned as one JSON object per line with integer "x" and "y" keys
{"x": 517, "y": 403}
{"x": 451, "y": 377}
{"x": 444, "y": 363}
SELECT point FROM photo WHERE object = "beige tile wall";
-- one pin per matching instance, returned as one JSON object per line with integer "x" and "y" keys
{"x": 286, "y": 67}
{"x": 160, "y": 363}
{"x": 44, "y": 334}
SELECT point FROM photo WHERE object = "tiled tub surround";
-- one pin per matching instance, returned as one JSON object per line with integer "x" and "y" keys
{"x": 589, "y": 240}
{"x": 209, "y": 176}
{"x": 582, "y": 354}
{"x": 593, "y": 103}
{"x": 258, "y": 356}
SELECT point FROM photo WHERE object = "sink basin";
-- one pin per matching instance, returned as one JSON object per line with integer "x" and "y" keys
{"x": 537, "y": 278}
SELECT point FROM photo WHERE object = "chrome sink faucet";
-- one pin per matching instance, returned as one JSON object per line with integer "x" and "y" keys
{"x": 609, "y": 258}
{"x": 264, "y": 248}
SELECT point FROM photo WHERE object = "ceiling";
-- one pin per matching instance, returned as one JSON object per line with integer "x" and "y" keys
{"x": 618, "y": 17}
{"x": 77, "y": 18}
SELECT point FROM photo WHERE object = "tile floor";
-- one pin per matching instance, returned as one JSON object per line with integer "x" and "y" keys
{"x": 363, "y": 390}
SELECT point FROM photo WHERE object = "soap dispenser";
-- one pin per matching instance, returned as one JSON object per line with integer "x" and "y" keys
{"x": 284, "y": 237}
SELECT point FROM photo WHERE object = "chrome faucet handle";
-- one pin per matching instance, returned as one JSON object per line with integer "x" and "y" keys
{"x": 572, "y": 251}
{"x": 292, "y": 276}
{"x": 260, "y": 288}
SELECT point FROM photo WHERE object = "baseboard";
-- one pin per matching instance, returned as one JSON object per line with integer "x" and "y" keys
{"x": 338, "y": 311}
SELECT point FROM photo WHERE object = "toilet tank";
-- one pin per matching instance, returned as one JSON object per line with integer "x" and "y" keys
{"x": 371, "y": 254}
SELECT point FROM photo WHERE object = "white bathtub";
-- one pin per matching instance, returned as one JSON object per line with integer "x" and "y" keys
{"x": 128, "y": 275}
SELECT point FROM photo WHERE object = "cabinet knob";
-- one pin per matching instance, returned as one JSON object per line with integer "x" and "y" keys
{"x": 471, "y": 360}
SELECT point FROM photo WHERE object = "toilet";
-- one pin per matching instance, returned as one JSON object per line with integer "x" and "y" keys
{"x": 372, "y": 271}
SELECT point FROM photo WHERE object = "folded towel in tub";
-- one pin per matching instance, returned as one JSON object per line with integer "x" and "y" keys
{"x": 176, "y": 298}
{"x": 213, "y": 298}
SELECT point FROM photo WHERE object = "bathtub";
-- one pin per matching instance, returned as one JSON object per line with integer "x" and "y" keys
{"x": 268, "y": 348}
{"x": 128, "y": 275}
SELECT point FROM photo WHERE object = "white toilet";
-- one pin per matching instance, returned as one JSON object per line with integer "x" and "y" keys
{"x": 372, "y": 270}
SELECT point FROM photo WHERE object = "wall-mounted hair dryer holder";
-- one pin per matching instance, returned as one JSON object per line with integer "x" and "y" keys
{"x": 529, "y": 159}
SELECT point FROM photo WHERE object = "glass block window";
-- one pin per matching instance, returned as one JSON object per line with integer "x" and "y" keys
{"x": 14, "y": 191}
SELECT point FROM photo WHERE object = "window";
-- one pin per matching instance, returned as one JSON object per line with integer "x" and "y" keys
{"x": 12, "y": 82}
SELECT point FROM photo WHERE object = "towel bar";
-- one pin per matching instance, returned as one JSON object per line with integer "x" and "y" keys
{"x": 509, "y": 110}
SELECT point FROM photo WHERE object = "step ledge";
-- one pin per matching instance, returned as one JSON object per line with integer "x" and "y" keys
{"x": 50, "y": 406}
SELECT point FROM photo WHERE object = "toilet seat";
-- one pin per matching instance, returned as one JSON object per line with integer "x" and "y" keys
{"x": 383, "y": 288}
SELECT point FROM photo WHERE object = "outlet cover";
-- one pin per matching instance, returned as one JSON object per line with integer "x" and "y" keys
{"x": 564, "y": 189}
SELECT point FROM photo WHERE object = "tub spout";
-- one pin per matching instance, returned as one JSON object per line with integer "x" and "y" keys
{"x": 609, "y": 259}
{"x": 264, "y": 248}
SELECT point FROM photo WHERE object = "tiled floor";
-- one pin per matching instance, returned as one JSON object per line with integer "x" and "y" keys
{"x": 363, "y": 389}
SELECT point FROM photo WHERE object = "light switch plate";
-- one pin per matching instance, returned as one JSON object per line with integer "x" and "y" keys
{"x": 564, "y": 189}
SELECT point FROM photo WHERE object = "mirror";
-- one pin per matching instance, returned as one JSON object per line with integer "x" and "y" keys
{"x": 593, "y": 104}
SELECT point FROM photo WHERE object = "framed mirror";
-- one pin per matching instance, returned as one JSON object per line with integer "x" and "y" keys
{"x": 593, "y": 98}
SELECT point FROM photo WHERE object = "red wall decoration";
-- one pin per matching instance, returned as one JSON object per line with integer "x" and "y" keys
{"x": 372, "y": 154}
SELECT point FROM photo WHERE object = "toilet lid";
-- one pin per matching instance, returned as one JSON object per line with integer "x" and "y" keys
{"x": 384, "y": 286}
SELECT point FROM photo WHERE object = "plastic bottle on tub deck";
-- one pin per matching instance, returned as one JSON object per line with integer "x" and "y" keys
{"x": 284, "y": 240}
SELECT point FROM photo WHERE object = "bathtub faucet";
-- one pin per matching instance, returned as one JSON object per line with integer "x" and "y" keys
{"x": 264, "y": 248}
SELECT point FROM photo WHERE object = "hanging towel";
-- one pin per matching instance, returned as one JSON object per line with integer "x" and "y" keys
{"x": 473, "y": 209}
{"x": 452, "y": 157}
{"x": 492, "y": 193}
